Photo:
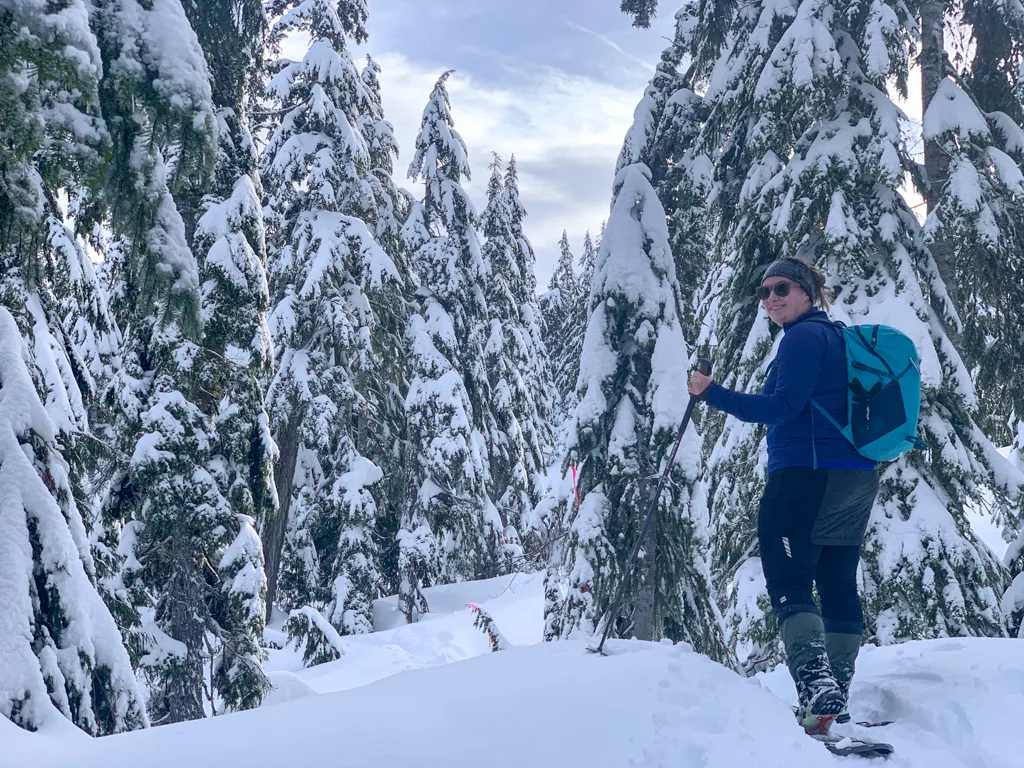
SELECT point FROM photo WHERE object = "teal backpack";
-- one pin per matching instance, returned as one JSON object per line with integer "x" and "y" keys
{"x": 883, "y": 399}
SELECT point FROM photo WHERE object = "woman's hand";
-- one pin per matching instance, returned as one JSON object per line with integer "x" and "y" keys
{"x": 699, "y": 383}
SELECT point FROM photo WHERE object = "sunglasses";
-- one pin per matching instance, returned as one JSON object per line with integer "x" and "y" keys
{"x": 780, "y": 290}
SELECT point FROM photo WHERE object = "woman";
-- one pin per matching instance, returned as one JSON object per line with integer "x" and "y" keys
{"x": 819, "y": 493}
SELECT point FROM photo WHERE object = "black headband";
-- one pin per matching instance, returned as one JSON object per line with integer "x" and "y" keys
{"x": 795, "y": 270}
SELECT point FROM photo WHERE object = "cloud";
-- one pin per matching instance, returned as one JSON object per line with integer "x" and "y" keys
{"x": 565, "y": 131}
{"x": 613, "y": 45}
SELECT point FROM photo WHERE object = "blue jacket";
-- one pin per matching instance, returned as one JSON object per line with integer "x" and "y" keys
{"x": 811, "y": 362}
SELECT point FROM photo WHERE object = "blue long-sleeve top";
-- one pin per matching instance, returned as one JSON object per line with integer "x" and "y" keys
{"x": 810, "y": 363}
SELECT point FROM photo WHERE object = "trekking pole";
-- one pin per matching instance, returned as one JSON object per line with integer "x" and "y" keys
{"x": 704, "y": 366}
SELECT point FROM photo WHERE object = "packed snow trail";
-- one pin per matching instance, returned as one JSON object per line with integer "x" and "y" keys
{"x": 439, "y": 700}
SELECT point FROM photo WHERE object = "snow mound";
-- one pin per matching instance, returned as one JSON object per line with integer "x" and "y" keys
{"x": 430, "y": 695}
{"x": 543, "y": 705}
{"x": 444, "y": 635}
{"x": 287, "y": 686}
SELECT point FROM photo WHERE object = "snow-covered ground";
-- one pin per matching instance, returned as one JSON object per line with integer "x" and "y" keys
{"x": 431, "y": 695}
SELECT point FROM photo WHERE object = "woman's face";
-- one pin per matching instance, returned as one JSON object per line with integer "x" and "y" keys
{"x": 785, "y": 309}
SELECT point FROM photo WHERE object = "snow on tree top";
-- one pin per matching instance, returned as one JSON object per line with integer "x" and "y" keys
{"x": 325, "y": 64}
{"x": 622, "y": 265}
{"x": 334, "y": 18}
{"x": 438, "y": 140}
{"x": 337, "y": 234}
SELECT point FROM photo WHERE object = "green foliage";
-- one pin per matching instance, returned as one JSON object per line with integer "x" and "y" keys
{"x": 642, "y": 11}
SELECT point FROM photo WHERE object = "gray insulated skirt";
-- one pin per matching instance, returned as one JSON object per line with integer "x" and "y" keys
{"x": 831, "y": 507}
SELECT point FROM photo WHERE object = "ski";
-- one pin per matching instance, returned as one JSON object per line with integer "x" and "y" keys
{"x": 845, "y": 747}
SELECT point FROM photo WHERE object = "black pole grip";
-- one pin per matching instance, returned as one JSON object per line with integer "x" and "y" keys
{"x": 704, "y": 366}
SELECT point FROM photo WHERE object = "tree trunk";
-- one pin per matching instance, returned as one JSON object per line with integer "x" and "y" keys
{"x": 936, "y": 160}
{"x": 181, "y": 612}
{"x": 647, "y": 574}
{"x": 276, "y": 527}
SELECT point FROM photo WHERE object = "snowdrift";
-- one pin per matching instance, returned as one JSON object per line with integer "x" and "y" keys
{"x": 395, "y": 701}
{"x": 545, "y": 705}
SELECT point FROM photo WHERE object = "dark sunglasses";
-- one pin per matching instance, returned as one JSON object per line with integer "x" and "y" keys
{"x": 780, "y": 289}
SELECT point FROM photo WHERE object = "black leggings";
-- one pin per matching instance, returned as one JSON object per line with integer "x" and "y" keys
{"x": 810, "y": 528}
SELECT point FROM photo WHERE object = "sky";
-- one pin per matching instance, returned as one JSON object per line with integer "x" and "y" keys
{"x": 554, "y": 82}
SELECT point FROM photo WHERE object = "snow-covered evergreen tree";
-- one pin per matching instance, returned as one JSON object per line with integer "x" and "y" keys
{"x": 536, "y": 422}
{"x": 562, "y": 295}
{"x": 632, "y": 397}
{"x": 184, "y": 552}
{"x": 53, "y": 146}
{"x": 63, "y": 654}
{"x": 974, "y": 156}
{"x": 325, "y": 203}
{"x": 382, "y": 436}
{"x": 451, "y": 530}
{"x": 382, "y": 147}
{"x": 236, "y": 357}
{"x": 526, "y": 287}
{"x": 666, "y": 125}
{"x": 563, "y": 278}
{"x": 535, "y": 406}
{"x": 507, "y": 358}
{"x": 576, "y": 319}
{"x": 53, "y": 142}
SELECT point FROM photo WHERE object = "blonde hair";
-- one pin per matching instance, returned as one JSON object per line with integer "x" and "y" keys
{"x": 823, "y": 294}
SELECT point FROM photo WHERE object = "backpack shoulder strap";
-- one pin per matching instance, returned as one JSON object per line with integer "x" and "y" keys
{"x": 837, "y": 324}
{"x": 826, "y": 414}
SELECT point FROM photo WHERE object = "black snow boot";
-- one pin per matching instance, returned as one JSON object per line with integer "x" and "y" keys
{"x": 821, "y": 700}
{"x": 842, "y": 650}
